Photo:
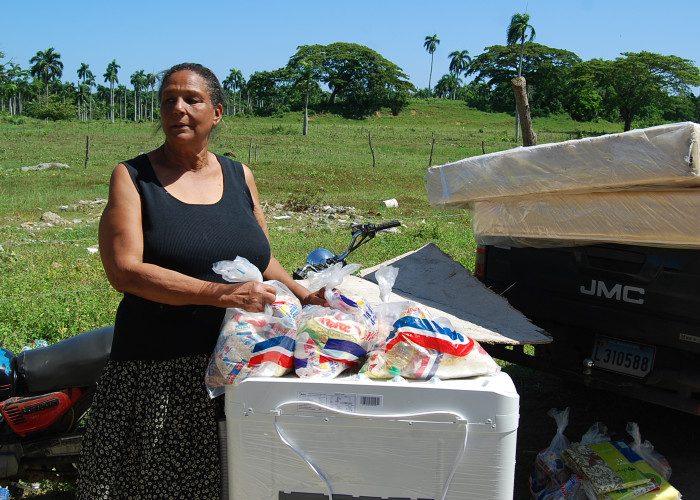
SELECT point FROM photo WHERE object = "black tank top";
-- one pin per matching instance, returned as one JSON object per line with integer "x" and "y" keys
{"x": 189, "y": 239}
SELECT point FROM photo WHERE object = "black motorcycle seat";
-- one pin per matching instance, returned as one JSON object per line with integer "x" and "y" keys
{"x": 74, "y": 362}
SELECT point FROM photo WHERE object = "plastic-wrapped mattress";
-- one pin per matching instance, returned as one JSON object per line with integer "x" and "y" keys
{"x": 666, "y": 155}
{"x": 649, "y": 218}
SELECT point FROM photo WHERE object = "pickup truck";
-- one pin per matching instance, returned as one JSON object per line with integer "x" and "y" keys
{"x": 623, "y": 318}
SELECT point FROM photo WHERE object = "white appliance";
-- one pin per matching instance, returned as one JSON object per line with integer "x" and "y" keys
{"x": 301, "y": 439}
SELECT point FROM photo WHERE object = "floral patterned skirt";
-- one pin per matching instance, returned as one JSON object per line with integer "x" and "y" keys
{"x": 152, "y": 433}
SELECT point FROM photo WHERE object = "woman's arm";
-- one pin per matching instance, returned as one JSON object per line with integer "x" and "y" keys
{"x": 121, "y": 250}
{"x": 274, "y": 270}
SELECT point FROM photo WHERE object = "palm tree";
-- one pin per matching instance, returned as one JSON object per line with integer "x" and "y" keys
{"x": 82, "y": 75}
{"x": 460, "y": 61}
{"x": 138, "y": 80}
{"x": 15, "y": 78}
{"x": 90, "y": 81}
{"x": 83, "y": 71}
{"x": 518, "y": 32}
{"x": 430, "y": 44}
{"x": 47, "y": 65}
{"x": 305, "y": 77}
{"x": 151, "y": 80}
{"x": 233, "y": 82}
{"x": 111, "y": 77}
{"x": 447, "y": 85}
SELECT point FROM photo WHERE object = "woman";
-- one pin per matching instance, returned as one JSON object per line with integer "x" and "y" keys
{"x": 171, "y": 214}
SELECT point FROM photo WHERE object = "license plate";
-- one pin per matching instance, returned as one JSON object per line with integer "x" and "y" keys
{"x": 623, "y": 357}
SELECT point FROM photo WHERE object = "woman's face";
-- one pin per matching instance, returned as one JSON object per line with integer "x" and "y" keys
{"x": 186, "y": 110}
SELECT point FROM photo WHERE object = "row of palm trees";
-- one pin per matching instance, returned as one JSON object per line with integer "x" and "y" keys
{"x": 519, "y": 31}
{"x": 47, "y": 68}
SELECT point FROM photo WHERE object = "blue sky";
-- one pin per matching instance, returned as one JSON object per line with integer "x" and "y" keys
{"x": 262, "y": 35}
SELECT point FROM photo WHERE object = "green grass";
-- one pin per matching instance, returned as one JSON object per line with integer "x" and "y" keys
{"x": 52, "y": 287}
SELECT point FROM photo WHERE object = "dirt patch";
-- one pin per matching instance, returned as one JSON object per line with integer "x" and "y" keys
{"x": 671, "y": 432}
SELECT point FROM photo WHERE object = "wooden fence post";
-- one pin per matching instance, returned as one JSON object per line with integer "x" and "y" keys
{"x": 87, "y": 151}
{"x": 374, "y": 160}
{"x": 432, "y": 146}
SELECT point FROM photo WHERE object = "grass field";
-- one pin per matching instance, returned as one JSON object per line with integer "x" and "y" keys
{"x": 53, "y": 285}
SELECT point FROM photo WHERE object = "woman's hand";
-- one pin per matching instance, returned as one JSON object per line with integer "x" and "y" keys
{"x": 315, "y": 298}
{"x": 250, "y": 296}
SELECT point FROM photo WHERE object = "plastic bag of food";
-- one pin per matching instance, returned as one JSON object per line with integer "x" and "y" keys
{"x": 356, "y": 306}
{"x": 596, "y": 433}
{"x": 422, "y": 347}
{"x": 328, "y": 342}
{"x": 646, "y": 451}
{"x": 253, "y": 344}
{"x": 550, "y": 479}
{"x": 334, "y": 339}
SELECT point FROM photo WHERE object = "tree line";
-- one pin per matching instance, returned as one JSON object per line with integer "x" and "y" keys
{"x": 355, "y": 81}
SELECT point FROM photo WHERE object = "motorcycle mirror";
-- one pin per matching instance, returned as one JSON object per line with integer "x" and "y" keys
{"x": 319, "y": 256}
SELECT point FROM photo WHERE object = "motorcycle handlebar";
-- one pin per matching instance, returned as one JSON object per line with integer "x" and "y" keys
{"x": 371, "y": 229}
{"x": 387, "y": 225}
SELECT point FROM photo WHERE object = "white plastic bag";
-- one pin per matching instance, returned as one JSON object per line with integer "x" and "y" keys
{"x": 646, "y": 450}
{"x": 253, "y": 344}
{"x": 596, "y": 433}
{"x": 548, "y": 472}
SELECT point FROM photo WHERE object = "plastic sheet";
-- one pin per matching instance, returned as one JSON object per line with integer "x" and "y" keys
{"x": 666, "y": 155}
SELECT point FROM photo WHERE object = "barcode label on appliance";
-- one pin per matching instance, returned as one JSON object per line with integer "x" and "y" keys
{"x": 371, "y": 400}
{"x": 347, "y": 402}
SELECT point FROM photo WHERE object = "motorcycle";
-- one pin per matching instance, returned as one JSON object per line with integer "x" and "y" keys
{"x": 44, "y": 396}
{"x": 45, "y": 393}
{"x": 322, "y": 258}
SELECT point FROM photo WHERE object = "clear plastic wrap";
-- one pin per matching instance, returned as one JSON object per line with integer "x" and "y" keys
{"x": 658, "y": 218}
{"x": 665, "y": 155}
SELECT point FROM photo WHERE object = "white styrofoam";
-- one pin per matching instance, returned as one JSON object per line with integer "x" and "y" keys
{"x": 665, "y": 155}
{"x": 451, "y": 439}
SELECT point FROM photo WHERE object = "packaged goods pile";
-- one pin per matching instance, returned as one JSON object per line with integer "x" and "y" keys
{"x": 367, "y": 391}
{"x": 599, "y": 468}
{"x": 352, "y": 336}
{"x": 636, "y": 187}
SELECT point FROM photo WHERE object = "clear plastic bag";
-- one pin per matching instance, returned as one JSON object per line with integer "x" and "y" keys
{"x": 329, "y": 342}
{"x": 422, "y": 347}
{"x": 646, "y": 451}
{"x": 596, "y": 433}
{"x": 253, "y": 344}
{"x": 550, "y": 479}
